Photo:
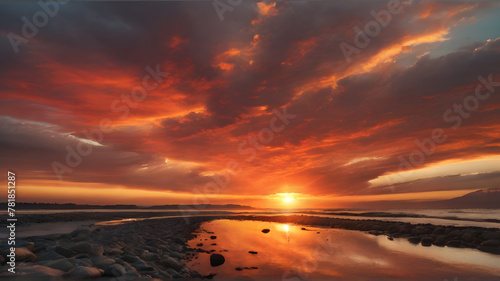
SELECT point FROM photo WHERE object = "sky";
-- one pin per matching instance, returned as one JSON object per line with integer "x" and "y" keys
{"x": 270, "y": 104}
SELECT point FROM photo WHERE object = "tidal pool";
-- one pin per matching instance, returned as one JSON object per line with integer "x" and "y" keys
{"x": 289, "y": 252}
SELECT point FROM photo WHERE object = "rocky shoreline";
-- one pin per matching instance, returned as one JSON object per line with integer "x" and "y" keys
{"x": 151, "y": 249}
{"x": 158, "y": 249}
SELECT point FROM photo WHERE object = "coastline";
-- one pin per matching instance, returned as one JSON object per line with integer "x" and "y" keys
{"x": 157, "y": 248}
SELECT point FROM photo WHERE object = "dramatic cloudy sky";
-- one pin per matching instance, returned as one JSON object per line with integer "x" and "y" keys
{"x": 354, "y": 120}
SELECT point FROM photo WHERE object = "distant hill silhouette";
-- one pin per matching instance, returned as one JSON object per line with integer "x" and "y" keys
{"x": 488, "y": 198}
{"x": 480, "y": 199}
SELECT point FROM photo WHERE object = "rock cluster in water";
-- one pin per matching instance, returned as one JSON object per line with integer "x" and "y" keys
{"x": 483, "y": 239}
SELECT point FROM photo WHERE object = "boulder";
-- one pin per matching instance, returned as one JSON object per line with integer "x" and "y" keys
{"x": 115, "y": 270}
{"x": 454, "y": 243}
{"x": 176, "y": 255}
{"x": 131, "y": 258}
{"x": 87, "y": 248}
{"x": 170, "y": 262}
{"x": 467, "y": 237}
{"x": 420, "y": 230}
{"x": 265, "y": 230}
{"x": 456, "y": 234}
{"x": 216, "y": 260}
{"x": 487, "y": 235}
{"x": 440, "y": 241}
{"x": 80, "y": 262}
{"x": 252, "y": 252}
{"x": 35, "y": 272}
{"x": 148, "y": 256}
{"x": 112, "y": 251}
{"x": 40, "y": 246}
{"x": 23, "y": 254}
{"x": 103, "y": 263}
{"x": 142, "y": 266}
{"x": 427, "y": 241}
{"x": 492, "y": 243}
{"x": 81, "y": 272}
{"x": 61, "y": 264}
{"x": 414, "y": 240}
{"x": 64, "y": 251}
{"x": 49, "y": 255}
{"x": 213, "y": 237}
{"x": 30, "y": 246}
{"x": 82, "y": 256}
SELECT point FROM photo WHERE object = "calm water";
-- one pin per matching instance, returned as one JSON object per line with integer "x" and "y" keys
{"x": 289, "y": 253}
{"x": 449, "y": 217}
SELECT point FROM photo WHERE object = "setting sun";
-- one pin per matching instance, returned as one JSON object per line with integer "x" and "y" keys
{"x": 288, "y": 199}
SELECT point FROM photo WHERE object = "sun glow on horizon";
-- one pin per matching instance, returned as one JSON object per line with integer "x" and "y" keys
{"x": 285, "y": 197}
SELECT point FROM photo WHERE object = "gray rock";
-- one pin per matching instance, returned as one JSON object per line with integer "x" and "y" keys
{"x": 30, "y": 246}
{"x": 179, "y": 256}
{"x": 414, "y": 240}
{"x": 23, "y": 254}
{"x": 170, "y": 262}
{"x": 487, "y": 235}
{"x": 456, "y": 234}
{"x": 420, "y": 230}
{"x": 132, "y": 273}
{"x": 439, "y": 230}
{"x": 114, "y": 270}
{"x": 40, "y": 246}
{"x": 142, "y": 266}
{"x": 131, "y": 259}
{"x": 85, "y": 272}
{"x": 467, "y": 237}
{"x": 128, "y": 267}
{"x": 64, "y": 251}
{"x": 150, "y": 256}
{"x": 61, "y": 264}
{"x": 87, "y": 248}
{"x": 49, "y": 255}
{"x": 112, "y": 251}
{"x": 103, "y": 263}
{"x": 80, "y": 262}
{"x": 216, "y": 260}
{"x": 454, "y": 243}
{"x": 82, "y": 256}
{"x": 440, "y": 241}
{"x": 427, "y": 241}
{"x": 492, "y": 243}
{"x": 36, "y": 272}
